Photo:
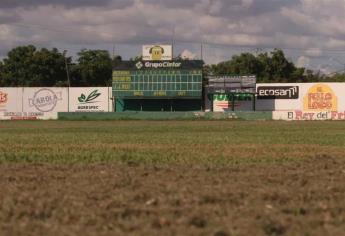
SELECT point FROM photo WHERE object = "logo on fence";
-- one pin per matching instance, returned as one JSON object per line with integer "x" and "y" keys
{"x": 278, "y": 92}
{"x": 90, "y": 98}
{"x": 45, "y": 100}
{"x": 86, "y": 102}
{"x": 3, "y": 98}
{"x": 320, "y": 97}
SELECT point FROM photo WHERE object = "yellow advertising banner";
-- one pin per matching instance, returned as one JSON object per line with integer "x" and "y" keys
{"x": 320, "y": 97}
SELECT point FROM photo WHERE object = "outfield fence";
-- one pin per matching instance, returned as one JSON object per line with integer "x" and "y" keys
{"x": 45, "y": 103}
{"x": 285, "y": 101}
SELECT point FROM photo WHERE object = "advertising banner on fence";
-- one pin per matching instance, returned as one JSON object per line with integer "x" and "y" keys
{"x": 223, "y": 103}
{"x": 44, "y": 103}
{"x": 10, "y": 102}
{"x": 316, "y": 101}
{"x": 10, "y": 99}
{"x": 278, "y": 96}
{"x": 89, "y": 99}
{"x": 277, "y": 92}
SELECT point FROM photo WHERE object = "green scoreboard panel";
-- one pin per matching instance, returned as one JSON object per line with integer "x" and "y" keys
{"x": 158, "y": 80}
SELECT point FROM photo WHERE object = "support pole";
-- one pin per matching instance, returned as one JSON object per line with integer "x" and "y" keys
{"x": 202, "y": 51}
{"x": 233, "y": 101}
{"x": 254, "y": 102}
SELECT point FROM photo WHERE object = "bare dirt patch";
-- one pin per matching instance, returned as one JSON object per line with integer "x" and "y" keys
{"x": 298, "y": 198}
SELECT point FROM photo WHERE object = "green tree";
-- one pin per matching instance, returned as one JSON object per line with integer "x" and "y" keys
{"x": 244, "y": 64}
{"x": 268, "y": 67}
{"x": 50, "y": 68}
{"x": 16, "y": 68}
{"x": 338, "y": 77}
{"x": 94, "y": 68}
{"x": 27, "y": 66}
{"x": 281, "y": 70}
{"x": 136, "y": 58}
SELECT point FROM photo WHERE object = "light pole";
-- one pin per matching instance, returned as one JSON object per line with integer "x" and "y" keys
{"x": 66, "y": 67}
{"x": 173, "y": 42}
{"x": 67, "y": 73}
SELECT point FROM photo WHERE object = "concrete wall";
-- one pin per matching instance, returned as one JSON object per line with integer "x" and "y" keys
{"x": 166, "y": 116}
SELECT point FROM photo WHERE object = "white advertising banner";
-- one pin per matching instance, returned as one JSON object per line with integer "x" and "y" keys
{"x": 89, "y": 99}
{"x": 45, "y": 103}
{"x": 10, "y": 102}
{"x": 11, "y": 99}
{"x": 307, "y": 101}
{"x": 157, "y": 52}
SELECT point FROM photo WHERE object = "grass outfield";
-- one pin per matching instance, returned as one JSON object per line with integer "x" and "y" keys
{"x": 184, "y": 142}
{"x": 216, "y": 178}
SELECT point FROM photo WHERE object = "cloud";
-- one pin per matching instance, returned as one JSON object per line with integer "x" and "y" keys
{"x": 176, "y": 4}
{"x": 65, "y": 3}
{"x": 303, "y": 62}
{"x": 8, "y": 17}
{"x": 318, "y": 17}
{"x": 314, "y": 52}
{"x": 186, "y": 54}
{"x": 308, "y": 26}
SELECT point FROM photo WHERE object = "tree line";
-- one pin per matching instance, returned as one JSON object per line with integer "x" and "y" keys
{"x": 28, "y": 66}
{"x": 272, "y": 67}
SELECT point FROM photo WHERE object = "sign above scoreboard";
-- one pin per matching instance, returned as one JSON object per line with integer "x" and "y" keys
{"x": 157, "y": 52}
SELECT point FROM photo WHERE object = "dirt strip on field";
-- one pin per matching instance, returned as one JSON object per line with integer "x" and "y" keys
{"x": 298, "y": 198}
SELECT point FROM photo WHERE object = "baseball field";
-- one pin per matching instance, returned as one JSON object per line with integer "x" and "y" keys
{"x": 172, "y": 178}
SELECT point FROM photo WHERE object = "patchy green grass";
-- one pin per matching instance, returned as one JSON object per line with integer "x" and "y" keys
{"x": 211, "y": 143}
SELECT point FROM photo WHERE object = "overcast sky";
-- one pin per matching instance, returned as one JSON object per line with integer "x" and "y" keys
{"x": 312, "y": 32}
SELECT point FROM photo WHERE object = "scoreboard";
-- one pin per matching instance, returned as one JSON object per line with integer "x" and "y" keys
{"x": 231, "y": 84}
{"x": 180, "y": 79}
